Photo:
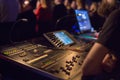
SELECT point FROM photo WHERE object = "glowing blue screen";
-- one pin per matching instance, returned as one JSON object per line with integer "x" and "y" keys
{"x": 83, "y": 20}
{"x": 64, "y": 38}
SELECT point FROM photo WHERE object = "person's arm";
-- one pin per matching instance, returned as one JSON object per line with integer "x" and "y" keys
{"x": 107, "y": 41}
{"x": 92, "y": 64}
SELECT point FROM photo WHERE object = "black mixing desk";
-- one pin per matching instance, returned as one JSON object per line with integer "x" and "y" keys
{"x": 34, "y": 58}
{"x": 47, "y": 63}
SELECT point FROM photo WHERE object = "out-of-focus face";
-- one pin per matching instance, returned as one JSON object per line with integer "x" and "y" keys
{"x": 66, "y": 2}
{"x": 57, "y": 1}
{"x": 73, "y": 5}
{"x": 38, "y": 3}
{"x": 110, "y": 1}
{"x": 93, "y": 8}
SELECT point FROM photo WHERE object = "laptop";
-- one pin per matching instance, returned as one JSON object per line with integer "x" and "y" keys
{"x": 84, "y": 25}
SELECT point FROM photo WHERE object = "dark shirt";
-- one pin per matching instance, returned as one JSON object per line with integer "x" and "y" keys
{"x": 109, "y": 35}
{"x": 97, "y": 21}
{"x": 59, "y": 11}
{"x": 44, "y": 21}
{"x": 25, "y": 28}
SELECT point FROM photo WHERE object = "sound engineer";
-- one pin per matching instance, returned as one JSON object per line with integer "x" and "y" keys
{"x": 105, "y": 53}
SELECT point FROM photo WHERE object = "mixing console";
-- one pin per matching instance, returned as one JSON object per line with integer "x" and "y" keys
{"x": 65, "y": 64}
{"x": 24, "y": 52}
{"x": 57, "y": 63}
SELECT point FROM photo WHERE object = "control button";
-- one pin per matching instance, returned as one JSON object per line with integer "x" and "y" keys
{"x": 35, "y": 50}
{"x": 22, "y": 54}
{"x": 77, "y": 56}
{"x": 72, "y": 64}
{"x": 67, "y": 72}
{"x": 37, "y": 55}
{"x": 69, "y": 68}
{"x": 73, "y": 57}
{"x": 67, "y": 61}
{"x": 26, "y": 59}
{"x": 80, "y": 63}
{"x": 63, "y": 69}
{"x": 67, "y": 65}
{"x": 74, "y": 60}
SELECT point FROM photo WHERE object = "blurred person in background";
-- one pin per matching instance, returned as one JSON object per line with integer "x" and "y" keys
{"x": 43, "y": 12}
{"x": 81, "y": 4}
{"x": 70, "y": 6}
{"x": 73, "y": 4}
{"x": 26, "y": 20}
{"x": 97, "y": 20}
{"x": 9, "y": 10}
{"x": 59, "y": 10}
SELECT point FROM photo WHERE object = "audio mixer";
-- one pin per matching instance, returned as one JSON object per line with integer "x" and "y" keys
{"x": 58, "y": 64}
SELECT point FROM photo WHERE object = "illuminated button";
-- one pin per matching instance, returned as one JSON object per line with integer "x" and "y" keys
{"x": 35, "y": 50}
{"x": 6, "y": 53}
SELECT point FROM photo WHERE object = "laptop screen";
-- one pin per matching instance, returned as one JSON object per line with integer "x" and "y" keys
{"x": 83, "y": 21}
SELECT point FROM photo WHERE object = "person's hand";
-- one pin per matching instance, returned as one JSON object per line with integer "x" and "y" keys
{"x": 109, "y": 63}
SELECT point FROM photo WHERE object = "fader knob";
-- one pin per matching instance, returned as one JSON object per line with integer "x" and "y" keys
{"x": 35, "y": 50}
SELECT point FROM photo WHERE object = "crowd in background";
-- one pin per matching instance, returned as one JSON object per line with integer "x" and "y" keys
{"x": 45, "y": 15}
{"x": 32, "y": 18}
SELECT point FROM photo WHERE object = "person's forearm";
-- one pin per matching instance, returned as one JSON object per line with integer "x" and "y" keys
{"x": 93, "y": 61}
